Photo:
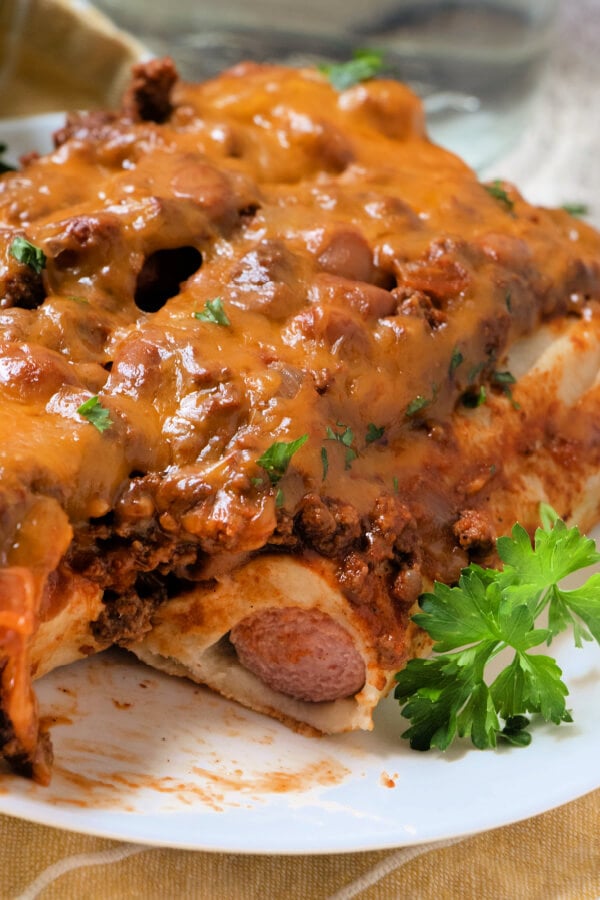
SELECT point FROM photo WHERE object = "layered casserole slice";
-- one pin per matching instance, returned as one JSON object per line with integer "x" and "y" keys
{"x": 270, "y": 363}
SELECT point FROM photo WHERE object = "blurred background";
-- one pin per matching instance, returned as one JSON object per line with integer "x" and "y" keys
{"x": 476, "y": 63}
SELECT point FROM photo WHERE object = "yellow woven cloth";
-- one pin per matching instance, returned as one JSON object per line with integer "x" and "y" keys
{"x": 555, "y": 855}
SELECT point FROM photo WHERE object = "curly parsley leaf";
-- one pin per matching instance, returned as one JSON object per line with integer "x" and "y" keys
{"x": 96, "y": 414}
{"x": 531, "y": 683}
{"x": 276, "y": 459}
{"x": 532, "y": 573}
{"x": 213, "y": 312}
{"x": 26, "y": 252}
{"x": 491, "y": 611}
{"x": 579, "y": 609}
{"x": 365, "y": 64}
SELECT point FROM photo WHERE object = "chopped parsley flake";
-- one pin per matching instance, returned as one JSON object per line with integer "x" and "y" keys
{"x": 345, "y": 437}
{"x": 363, "y": 66}
{"x": 475, "y": 371}
{"x": 496, "y": 190}
{"x": 26, "y": 252}
{"x": 503, "y": 378}
{"x": 277, "y": 458}
{"x": 576, "y": 209}
{"x": 455, "y": 360}
{"x": 324, "y": 462}
{"x": 213, "y": 312}
{"x": 96, "y": 414}
{"x": 420, "y": 402}
{"x": 472, "y": 401}
{"x": 374, "y": 433}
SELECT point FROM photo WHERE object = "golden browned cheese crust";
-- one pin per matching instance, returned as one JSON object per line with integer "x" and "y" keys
{"x": 373, "y": 292}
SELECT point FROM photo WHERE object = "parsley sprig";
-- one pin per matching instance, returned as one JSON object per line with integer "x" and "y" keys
{"x": 490, "y": 610}
{"x": 346, "y": 438}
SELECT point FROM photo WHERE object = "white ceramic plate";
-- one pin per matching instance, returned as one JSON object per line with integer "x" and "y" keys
{"x": 145, "y": 758}
{"x": 29, "y": 133}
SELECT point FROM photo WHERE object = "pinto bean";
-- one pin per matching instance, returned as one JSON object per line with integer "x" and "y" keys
{"x": 265, "y": 280}
{"x": 31, "y": 372}
{"x": 366, "y": 299}
{"x": 136, "y": 369}
{"x": 347, "y": 253}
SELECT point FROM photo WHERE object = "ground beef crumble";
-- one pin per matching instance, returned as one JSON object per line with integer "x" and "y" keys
{"x": 138, "y": 562}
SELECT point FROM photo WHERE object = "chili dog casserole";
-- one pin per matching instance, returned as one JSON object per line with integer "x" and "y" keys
{"x": 271, "y": 362}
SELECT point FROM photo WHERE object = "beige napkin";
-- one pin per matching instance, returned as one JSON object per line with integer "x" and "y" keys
{"x": 555, "y": 855}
